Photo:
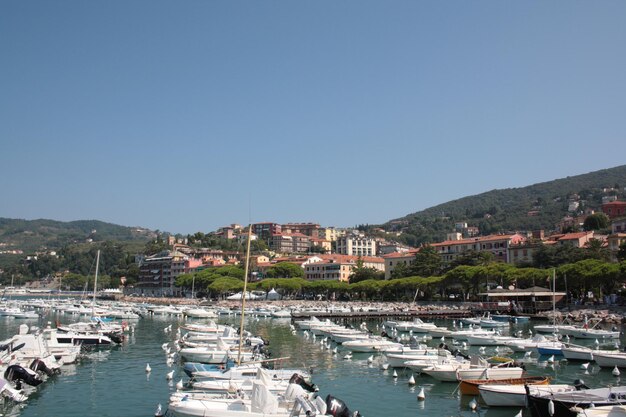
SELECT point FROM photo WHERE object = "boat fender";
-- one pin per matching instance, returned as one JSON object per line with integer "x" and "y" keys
{"x": 550, "y": 408}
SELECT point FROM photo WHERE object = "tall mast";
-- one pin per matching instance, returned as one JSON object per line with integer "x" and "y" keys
{"x": 95, "y": 281}
{"x": 243, "y": 296}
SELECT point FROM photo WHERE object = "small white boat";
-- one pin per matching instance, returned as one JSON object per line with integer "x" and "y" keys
{"x": 199, "y": 313}
{"x": 377, "y": 344}
{"x": 603, "y": 411}
{"x": 610, "y": 360}
{"x": 514, "y": 395}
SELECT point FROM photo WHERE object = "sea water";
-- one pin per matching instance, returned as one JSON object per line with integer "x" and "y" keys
{"x": 112, "y": 381}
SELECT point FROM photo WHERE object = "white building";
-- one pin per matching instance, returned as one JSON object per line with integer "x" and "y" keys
{"x": 356, "y": 245}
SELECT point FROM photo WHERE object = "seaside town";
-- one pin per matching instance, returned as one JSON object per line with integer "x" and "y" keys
{"x": 312, "y": 209}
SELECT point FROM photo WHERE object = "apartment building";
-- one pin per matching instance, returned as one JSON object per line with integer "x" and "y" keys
{"x": 339, "y": 267}
{"x": 157, "y": 273}
{"x": 356, "y": 245}
{"x": 497, "y": 245}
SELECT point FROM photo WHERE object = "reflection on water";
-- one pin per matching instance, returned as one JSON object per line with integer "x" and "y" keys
{"x": 114, "y": 382}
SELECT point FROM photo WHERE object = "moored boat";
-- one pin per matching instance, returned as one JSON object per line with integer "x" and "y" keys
{"x": 470, "y": 386}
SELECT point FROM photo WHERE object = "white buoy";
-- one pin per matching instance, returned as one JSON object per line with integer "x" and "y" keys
{"x": 179, "y": 384}
{"x": 348, "y": 355}
{"x": 169, "y": 376}
{"x": 443, "y": 339}
{"x": 551, "y": 359}
{"x": 615, "y": 371}
{"x": 164, "y": 345}
{"x": 412, "y": 380}
{"x": 385, "y": 366}
{"x": 528, "y": 354}
{"x": 596, "y": 342}
{"x": 481, "y": 349}
{"x": 370, "y": 359}
{"x": 335, "y": 350}
{"x": 464, "y": 345}
{"x": 473, "y": 405}
{"x": 158, "y": 411}
{"x": 519, "y": 413}
{"x": 395, "y": 374}
{"x": 584, "y": 366}
{"x": 148, "y": 369}
{"x": 551, "y": 408}
{"x": 421, "y": 396}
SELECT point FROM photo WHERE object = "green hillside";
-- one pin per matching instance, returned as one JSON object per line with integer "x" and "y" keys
{"x": 35, "y": 235}
{"x": 538, "y": 206}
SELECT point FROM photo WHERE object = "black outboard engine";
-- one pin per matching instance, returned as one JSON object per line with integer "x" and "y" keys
{"x": 116, "y": 338}
{"x": 39, "y": 366}
{"x": 580, "y": 384}
{"x": 455, "y": 352}
{"x": 336, "y": 407}
{"x": 299, "y": 380}
{"x": 385, "y": 334}
{"x": 17, "y": 373}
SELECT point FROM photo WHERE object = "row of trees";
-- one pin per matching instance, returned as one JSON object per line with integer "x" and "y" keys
{"x": 464, "y": 282}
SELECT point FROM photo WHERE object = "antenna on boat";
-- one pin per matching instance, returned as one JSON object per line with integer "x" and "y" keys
{"x": 95, "y": 284}
{"x": 243, "y": 297}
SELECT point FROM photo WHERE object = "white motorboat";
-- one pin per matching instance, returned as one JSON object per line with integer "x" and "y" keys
{"x": 372, "y": 344}
{"x": 261, "y": 403}
{"x": 523, "y": 345}
{"x": 584, "y": 333}
{"x": 583, "y": 353}
{"x": 610, "y": 360}
{"x": 463, "y": 334}
{"x": 489, "y": 340}
{"x": 199, "y": 313}
{"x": 215, "y": 356}
{"x": 515, "y": 395}
{"x": 604, "y": 411}
{"x": 446, "y": 372}
{"x": 490, "y": 372}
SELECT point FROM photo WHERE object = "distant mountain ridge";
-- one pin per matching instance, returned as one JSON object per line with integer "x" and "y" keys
{"x": 42, "y": 234}
{"x": 537, "y": 206}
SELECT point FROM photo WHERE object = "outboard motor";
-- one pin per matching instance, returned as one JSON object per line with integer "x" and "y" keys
{"x": 580, "y": 384}
{"x": 40, "y": 366}
{"x": 116, "y": 338}
{"x": 337, "y": 408}
{"x": 17, "y": 373}
{"x": 299, "y": 379}
{"x": 385, "y": 334}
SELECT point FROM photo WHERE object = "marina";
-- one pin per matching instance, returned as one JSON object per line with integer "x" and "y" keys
{"x": 112, "y": 381}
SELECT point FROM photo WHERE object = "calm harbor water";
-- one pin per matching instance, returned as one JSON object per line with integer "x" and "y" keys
{"x": 113, "y": 381}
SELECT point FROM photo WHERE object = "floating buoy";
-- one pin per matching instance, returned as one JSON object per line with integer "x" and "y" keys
{"x": 551, "y": 359}
{"x": 348, "y": 355}
{"x": 473, "y": 405}
{"x": 412, "y": 380}
{"x": 148, "y": 369}
{"x": 615, "y": 371}
{"x": 528, "y": 354}
{"x": 443, "y": 339}
{"x": 596, "y": 342}
{"x": 421, "y": 396}
{"x": 370, "y": 359}
{"x": 497, "y": 349}
{"x": 385, "y": 366}
{"x": 169, "y": 376}
{"x": 158, "y": 412}
{"x": 179, "y": 384}
{"x": 335, "y": 350}
{"x": 164, "y": 345}
{"x": 464, "y": 345}
{"x": 584, "y": 366}
{"x": 551, "y": 408}
{"x": 481, "y": 349}
{"x": 395, "y": 374}
{"x": 519, "y": 413}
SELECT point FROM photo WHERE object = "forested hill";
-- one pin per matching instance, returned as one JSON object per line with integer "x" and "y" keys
{"x": 34, "y": 235}
{"x": 538, "y": 206}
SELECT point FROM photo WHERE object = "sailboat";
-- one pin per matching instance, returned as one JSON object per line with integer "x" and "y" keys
{"x": 551, "y": 347}
{"x": 96, "y": 332}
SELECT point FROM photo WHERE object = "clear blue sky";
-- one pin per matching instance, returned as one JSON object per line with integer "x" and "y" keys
{"x": 188, "y": 115}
